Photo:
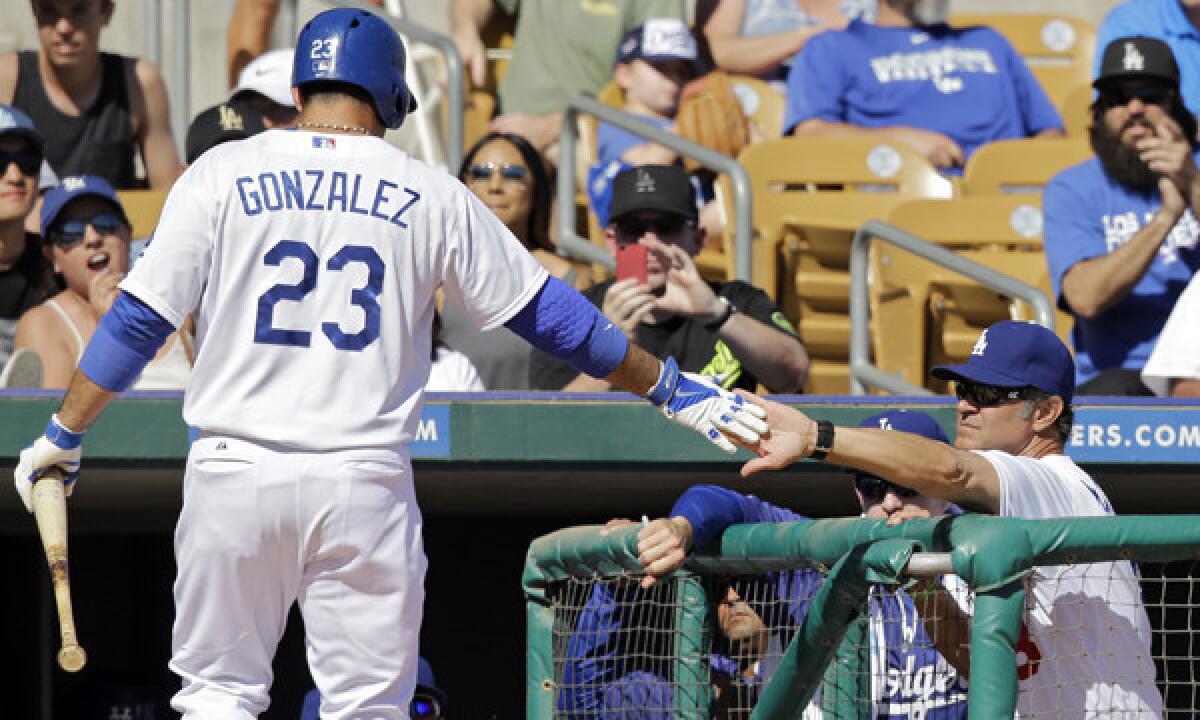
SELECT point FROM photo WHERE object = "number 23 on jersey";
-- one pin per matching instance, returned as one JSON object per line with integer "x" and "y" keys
{"x": 364, "y": 297}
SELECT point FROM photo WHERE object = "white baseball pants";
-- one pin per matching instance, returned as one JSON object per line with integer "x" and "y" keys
{"x": 338, "y": 532}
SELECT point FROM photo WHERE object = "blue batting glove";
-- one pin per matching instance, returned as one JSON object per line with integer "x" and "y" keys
{"x": 59, "y": 447}
{"x": 696, "y": 402}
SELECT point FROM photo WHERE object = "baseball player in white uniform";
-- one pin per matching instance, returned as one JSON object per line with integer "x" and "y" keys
{"x": 309, "y": 260}
{"x": 1085, "y": 645}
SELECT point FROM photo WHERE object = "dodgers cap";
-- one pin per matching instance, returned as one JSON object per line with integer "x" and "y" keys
{"x": 915, "y": 422}
{"x": 1138, "y": 58}
{"x": 1016, "y": 354}
{"x": 659, "y": 40}
{"x": 221, "y": 123}
{"x": 77, "y": 186}
{"x": 15, "y": 122}
{"x": 665, "y": 188}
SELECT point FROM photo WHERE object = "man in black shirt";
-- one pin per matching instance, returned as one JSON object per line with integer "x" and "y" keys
{"x": 25, "y": 275}
{"x": 732, "y": 331}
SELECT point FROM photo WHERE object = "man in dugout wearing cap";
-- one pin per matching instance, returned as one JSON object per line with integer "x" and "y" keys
{"x": 1120, "y": 228}
{"x": 1085, "y": 642}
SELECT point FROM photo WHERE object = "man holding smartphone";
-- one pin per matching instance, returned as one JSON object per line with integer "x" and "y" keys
{"x": 732, "y": 332}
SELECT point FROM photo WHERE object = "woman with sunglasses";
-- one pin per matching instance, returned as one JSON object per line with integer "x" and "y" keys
{"x": 86, "y": 238}
{"x": 918, "y": 637}
{"x": 25, "y": 276}
{"x": 508, "y": 176}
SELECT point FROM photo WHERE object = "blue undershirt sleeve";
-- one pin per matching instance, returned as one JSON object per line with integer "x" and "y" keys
{"x": 561, "y": 322}
{"x": 127, "y": 338}
{"x": 710, "y": 509}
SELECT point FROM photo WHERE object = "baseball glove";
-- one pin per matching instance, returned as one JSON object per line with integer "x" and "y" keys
{"x": 710, "y": 114}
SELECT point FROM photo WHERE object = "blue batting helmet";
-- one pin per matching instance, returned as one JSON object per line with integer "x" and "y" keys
{"x": 359, "y": 48}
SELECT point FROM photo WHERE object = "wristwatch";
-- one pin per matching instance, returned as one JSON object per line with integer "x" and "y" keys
{"x": 730, "y": 309}
{"x": 824, "y": 440}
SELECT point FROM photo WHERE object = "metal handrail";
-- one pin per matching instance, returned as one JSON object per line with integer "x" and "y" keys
{"x": 863, "y": 372}
{"x": 571, "y": 244}
{"x": 454, "y": 74}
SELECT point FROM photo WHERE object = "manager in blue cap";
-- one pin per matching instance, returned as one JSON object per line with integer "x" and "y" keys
{"x": 1084, "y": 621}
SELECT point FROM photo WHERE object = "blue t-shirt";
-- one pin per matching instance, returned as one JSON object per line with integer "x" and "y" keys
{"x": 1087, "y": 215}
{"x": 1162, "y": 19}
{"x": 966, "y": 83}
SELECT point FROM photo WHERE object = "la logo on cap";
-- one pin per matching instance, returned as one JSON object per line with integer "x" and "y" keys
{"x": 73, "y": 183}
{"x": 1133, "y": 60}
{"x": 230, "y": 119}
{"x": 980, "y": 344}
{"x": 645, "y": 182}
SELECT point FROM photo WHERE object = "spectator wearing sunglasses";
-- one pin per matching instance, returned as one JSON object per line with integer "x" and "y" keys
{"x": 86, "y": 238}
{"x": 1121, "y": 228}
{"x": 917, "y": 638}
{"x": 25, "y": 276}
{"x": 1085, "y": 646}
{"x": 428, "y": 703}
{"x": 1175, "y": 22}
{"x": 100, "y": 111}
{"x": 507, "y": 175}
{"x": 732, "y": 332}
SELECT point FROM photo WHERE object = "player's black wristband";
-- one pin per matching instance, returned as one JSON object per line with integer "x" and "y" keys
{"x": 730, "y": 309}
{"x": 824, "y": 440}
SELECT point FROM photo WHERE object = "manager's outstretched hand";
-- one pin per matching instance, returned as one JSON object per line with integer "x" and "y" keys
{"x": 792, "y": 436}
{"x": 696, "y": 402}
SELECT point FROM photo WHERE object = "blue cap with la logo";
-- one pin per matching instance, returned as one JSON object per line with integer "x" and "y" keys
{"x": 1014, "y": 354}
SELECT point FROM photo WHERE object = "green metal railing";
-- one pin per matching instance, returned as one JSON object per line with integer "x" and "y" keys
{"x": 992, "y": 555}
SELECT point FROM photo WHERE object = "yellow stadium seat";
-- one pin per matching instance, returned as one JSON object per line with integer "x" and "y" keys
{"x": 1020, "y": 166}
{"x": 924, "y": 314}
{"x": 1077, "y": 112}
{"x": 142, "y": 207}
{"x": 809, "y": 197}
{"x": 762, "y": 104}
{"x": 1057, "y": 48}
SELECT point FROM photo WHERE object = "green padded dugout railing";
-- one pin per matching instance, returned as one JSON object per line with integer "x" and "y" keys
{"x": 828, "y": 649}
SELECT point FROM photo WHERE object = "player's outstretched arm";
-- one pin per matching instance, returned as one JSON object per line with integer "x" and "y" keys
{"x": 561, "y": 322}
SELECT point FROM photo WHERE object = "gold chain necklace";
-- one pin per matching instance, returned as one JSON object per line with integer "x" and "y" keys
{"x": 332, "y": 126}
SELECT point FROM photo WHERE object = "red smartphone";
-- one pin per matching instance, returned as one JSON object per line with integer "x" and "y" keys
{"x": 631, "y": 262}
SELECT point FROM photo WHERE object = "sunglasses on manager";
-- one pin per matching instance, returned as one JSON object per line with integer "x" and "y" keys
{"x": 28, "y": 160}
{"x": 70, "y": 233}
{"x": 983, "y": 396}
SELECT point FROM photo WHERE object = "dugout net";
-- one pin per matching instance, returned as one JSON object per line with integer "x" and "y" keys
{"x": 851, "y": 619}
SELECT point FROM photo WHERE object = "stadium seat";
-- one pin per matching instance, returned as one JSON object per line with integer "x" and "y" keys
{"x": 809, "y": 197}
{"x": 142, "y": 207}
{"x": 1058, "y": 48}
{"x": 1077, "y": 113}
{"x": 1020, "y": 166}
{"x": 762, "y": 104}
{"x": 924, "y": 314}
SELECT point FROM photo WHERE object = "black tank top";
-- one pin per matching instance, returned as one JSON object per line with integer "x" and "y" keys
{"x": 98, "y": 142}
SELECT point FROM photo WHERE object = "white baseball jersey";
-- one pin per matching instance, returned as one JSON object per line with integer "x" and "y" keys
{"x": 310, "y": 262}
{"x": 1085, "y": 641}
{"x": 1177, "y": 352}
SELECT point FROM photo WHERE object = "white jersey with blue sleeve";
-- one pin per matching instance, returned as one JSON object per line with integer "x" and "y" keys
{"x": 310, "y": 263}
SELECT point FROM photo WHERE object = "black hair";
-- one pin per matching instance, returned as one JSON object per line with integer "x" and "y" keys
{"x": 335, "y": 90}
{"x": 539, "y": 213}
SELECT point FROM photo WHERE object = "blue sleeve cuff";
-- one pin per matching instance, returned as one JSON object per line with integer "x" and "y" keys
{"x": 126, "y": 339}
{"x": 561, "y": 322}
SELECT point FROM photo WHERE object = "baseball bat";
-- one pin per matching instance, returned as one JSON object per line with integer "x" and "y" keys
{"x": 50, "y": 510}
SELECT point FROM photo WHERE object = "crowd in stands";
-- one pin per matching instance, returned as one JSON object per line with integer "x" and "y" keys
{"x": 78, "y": 127}
{"x": 1119, "y": 232}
